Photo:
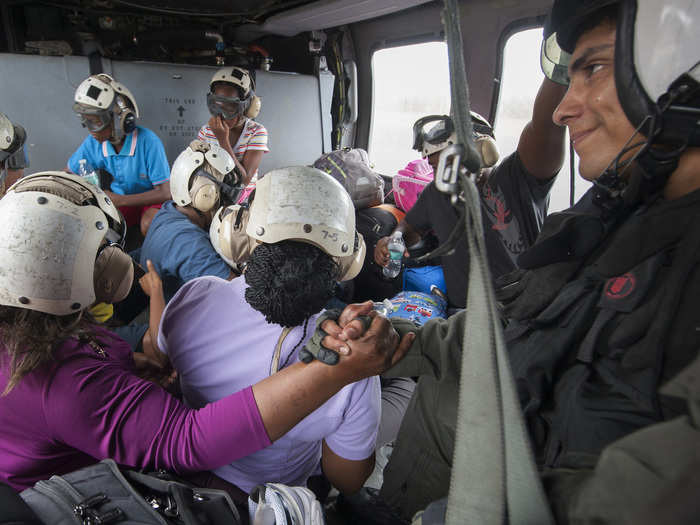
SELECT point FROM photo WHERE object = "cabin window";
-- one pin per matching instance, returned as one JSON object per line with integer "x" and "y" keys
{"x": 409, "y": 82}
{"x": 520, "y": 80}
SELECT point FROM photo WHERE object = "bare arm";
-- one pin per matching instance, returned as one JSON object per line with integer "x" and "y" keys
{"x": 251, "y": 162}
{"x": 541, "y": 146}
{"x": 160, "y": 193}
{"x": 13, "y": 176}
{"x": 153, "y": 287}
{"x": 346, "y": 475}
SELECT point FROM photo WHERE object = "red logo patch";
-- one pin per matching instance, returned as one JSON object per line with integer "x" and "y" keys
{"x": 620, "y": 287}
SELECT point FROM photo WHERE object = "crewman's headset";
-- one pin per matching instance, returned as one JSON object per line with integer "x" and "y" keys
{"x": 111, "y": 101}
{"x": 62, "y": 242}
{"x": 249, "y": 103}
{"x": 204, "y": 176}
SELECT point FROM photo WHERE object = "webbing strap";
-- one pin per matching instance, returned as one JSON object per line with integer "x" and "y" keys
{"x": 494, "y": 477}
{"x": 275, "y": 362}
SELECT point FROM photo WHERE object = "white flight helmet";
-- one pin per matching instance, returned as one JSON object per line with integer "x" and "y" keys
{"x": 657, "y": 64}
{"x": 108, "y": 102}
{"x": 12, "y": 137}
{"x": 198, "y": 174}
{"x": 62, "y": 245}
{"x": 434, "y": 133}
{"x": 228, "y": 236}
{"x": 304, "y": 204}
{"x": 248, "y": 104}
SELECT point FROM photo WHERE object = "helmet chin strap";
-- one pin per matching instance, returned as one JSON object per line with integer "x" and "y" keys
{"x": 232, "y": 193}
{"x": 117, "y": 137}
{"x": 625, "y": 183}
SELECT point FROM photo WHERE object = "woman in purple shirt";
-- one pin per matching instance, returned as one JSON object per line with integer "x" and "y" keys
{"x": 253, "y": 326}
{"x": 72, "y": 395}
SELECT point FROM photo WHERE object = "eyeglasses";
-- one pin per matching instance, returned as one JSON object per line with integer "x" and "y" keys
{"x": 96, "y": 122}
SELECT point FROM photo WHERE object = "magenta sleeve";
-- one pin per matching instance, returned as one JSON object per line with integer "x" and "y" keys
{"x": 107, "y": 412}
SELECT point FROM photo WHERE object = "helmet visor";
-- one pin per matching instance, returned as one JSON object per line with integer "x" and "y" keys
{"x": 434, "y": 129}
{"x": 227, "y": 107}
{"x": 554, "y": 61}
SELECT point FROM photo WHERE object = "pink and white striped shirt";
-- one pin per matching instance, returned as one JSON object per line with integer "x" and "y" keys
{"x": 253, "y": 137}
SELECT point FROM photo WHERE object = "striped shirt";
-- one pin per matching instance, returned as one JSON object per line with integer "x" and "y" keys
{"x": 253, "y": 138}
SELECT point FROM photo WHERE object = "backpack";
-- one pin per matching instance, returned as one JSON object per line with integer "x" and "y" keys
{"x": 351, "y": 168}
{"x": 409, "y": 182}
{"x": 373, "y": 224}
{"x": 424, "y": 278}
{"x": 102, "y": 493}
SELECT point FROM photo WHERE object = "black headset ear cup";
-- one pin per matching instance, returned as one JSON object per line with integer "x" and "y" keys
{"x": 113, "y": 276}
{"x": 128, "y": 121}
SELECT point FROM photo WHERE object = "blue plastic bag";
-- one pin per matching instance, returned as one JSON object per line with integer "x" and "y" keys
{"x": 418, "y": 307}
{"x": 421, "y": 278}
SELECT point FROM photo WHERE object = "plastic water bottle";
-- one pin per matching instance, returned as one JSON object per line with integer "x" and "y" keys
{"x": 86, "y": 171}
{"x": 384, "y": 308}
{"x": 396, "y": 248}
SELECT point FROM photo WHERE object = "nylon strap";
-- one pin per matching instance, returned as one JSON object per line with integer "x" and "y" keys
{"x": 494, "y": 477}
{"x": 275, "y": 364}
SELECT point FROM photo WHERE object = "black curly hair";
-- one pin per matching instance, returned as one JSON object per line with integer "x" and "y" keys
{"x": 289, "y": 281}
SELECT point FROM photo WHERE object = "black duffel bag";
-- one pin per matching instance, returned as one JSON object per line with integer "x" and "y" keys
{"x": 102, "y": 493}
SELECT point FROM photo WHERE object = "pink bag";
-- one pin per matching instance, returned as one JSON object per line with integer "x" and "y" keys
{"x": 410, "y": 181}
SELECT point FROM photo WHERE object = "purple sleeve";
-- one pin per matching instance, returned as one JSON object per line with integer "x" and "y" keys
{"x": 356, "y": 437}
{"x": 106, "y": 412}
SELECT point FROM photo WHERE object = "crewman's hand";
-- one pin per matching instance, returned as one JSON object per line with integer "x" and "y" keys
{"x": 376, "y": 350}
{"x": 359, "y": 332}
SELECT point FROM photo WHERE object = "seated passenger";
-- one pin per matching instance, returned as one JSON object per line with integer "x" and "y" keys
{"x": 233, "y": 106}
{"x": 221, "y": 336}
{"x": 70, "y": 393}
{"x": 606, "y": 309}
{"x": 514, "y": 194}
{"x": 133, "y": 156}
{"x": 13, "y": 159}
{"x": 177, "y": 242}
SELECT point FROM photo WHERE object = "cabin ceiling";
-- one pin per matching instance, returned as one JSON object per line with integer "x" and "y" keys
{"x": 180, "y": 31}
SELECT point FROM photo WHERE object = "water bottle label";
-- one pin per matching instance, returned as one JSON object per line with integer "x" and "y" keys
{"x": 395, "y": 256}
{"x": 92, "y": 179}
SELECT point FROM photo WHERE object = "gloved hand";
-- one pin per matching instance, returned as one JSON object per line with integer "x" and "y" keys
{"x": 314, "y": 348}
